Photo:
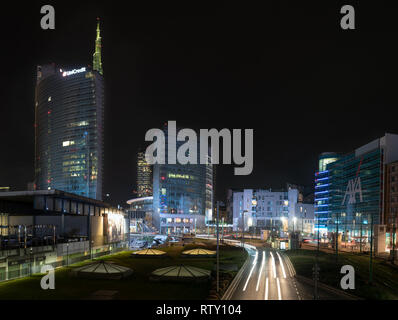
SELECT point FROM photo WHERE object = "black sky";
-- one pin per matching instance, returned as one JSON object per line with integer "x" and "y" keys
{"x": 284, "y": 69}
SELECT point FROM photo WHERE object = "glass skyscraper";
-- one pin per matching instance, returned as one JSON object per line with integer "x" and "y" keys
{"x": 69, "y": 133}
{"x": 182, "y": 195}
{"x": 322, "y": 193}
{"x": 350, "y": 191}
{"x": 144, "y": 176}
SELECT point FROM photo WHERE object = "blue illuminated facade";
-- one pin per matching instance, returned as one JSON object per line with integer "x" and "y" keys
{"x": 323, "y": 192}
{"x": 350, "y": 192}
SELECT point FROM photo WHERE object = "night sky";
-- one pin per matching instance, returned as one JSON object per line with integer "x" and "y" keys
{"x": 285, "y": 69}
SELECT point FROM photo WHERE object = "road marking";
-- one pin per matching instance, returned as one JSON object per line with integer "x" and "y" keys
{"x": 279, "y": 289}
{"x": 251, "y": 271}
{"x": 283, "y": 268}
{"x": 273, "y": 264}
{"x": 266, "y": 289}
{"x": 261, "y": 271}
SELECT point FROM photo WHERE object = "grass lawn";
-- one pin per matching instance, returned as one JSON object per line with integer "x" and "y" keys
{"x": 385, "y": 276}
{"x": 136, "y": 287}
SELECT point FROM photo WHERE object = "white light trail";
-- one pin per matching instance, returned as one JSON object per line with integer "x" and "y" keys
{"x": 281, "y": 262}
{"x": 279, "y": 289}
{"x": 261, "y": 271}
{"x": 273, "y": 264}
{"x": 251, "y": 271}
{"x": 266, "y": 289}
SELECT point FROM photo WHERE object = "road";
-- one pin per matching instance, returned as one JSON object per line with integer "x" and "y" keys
{"x": 266, "y": 277}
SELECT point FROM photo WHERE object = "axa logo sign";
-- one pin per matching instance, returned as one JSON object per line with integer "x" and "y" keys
{"x": 353, "y": 188}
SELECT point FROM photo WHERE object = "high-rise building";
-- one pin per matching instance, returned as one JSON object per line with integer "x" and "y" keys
{"x": 144, "y": 176}
{"x": 321, "y": 194}
{"x": 69, "y": 128}
{"x": 350, "y": 193}
{"x": 182, "y": 195}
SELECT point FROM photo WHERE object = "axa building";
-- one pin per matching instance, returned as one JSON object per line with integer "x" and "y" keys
{"x": 350, "y": 194}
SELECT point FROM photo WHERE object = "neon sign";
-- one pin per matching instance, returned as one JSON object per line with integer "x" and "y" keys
{"x": 74, "y": 71}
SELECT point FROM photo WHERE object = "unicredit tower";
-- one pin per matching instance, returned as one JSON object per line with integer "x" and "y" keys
{"x": 69, "y": 122}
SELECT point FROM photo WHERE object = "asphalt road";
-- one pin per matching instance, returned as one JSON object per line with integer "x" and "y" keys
{"x": 267, "y": 277}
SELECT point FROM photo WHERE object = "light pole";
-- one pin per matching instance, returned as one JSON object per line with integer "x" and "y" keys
{"x": 30, "y": 260}
{"x": 218, "y": 248}
{"x": 360, "y": 239}
{"x": 337, "y": 236}
{"x": 393, "y": 240}
{"x": 243, "y": 227}
{"x": 371, "y": 250}
{"x": 294, "y": 235}
{"x": 222, "y": 232}
{"x": 67, "y": 254}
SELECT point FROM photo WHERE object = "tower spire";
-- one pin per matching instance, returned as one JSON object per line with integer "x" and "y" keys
{"x": 97, "y": 64}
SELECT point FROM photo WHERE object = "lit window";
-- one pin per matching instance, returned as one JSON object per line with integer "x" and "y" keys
{"x": 68, "y": 143}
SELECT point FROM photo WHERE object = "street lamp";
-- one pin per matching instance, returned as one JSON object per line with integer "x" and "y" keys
{"x": 283, "y": 223}
{"x": 294, "y": 222}
{"x": 30, "y": 259}
{"x": 67, "y": 254}
{"x": 218, "y": 247}
{"x": 243, "y": 227}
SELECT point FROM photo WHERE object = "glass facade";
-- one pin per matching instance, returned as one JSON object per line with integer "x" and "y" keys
{"x": 322, "y": 192}
{"x": 182, "y": 195}
{"x": 144, "y": 176}
{"x": 69, "y": 115}
{"x": 355, "y": 194}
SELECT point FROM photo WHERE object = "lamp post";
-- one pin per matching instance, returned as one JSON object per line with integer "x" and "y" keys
{"x": 243, "y": 227}
{"x": 360, "y": 238}
{"x": 222, "y": 228}
{"x": 294, "y": 223}
{"x": 294, "y": 235}
{"x": 337, "y": 236}
{"x": 30, "y": 260}
{"x": 67, "y": 254}
{"x": 371, "y": 251}
{"x": 393, "y": 240}
{"x": 218, "y": 248}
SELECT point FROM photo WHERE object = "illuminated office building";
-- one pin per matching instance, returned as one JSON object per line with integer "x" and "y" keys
{"x": 144, "y": 176}
{"x": 350, "y": 192}
{"x": 321, "y": 199}
{"x": 263, "y": 209}
{"x": 69, "y": 128}
{"x": 182, "y": 196}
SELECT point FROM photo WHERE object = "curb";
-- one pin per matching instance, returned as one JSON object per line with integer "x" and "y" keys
{"x": 289, "y": 265}
{"x": 234, "y": 283}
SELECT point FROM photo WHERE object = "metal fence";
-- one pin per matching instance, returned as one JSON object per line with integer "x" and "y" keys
{"x": 30, "y": 265}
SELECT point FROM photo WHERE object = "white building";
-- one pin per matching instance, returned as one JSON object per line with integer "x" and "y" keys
{"x": 263, "y": 208}
{"x": 305, "y": 220}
